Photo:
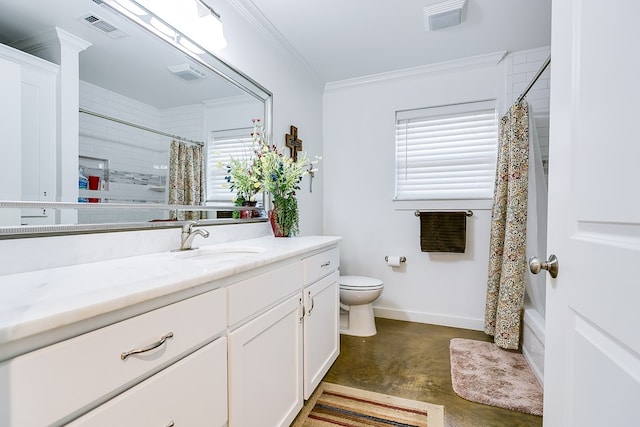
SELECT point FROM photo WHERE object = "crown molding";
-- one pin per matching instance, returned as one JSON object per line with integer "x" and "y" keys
{"x": 50, "y": 43}
{"x": 248, "y": 10}
{"x": 423, "y": 70}
{"x": 26, "y": 60}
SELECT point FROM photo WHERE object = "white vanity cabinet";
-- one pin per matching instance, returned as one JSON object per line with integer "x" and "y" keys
{"x": 288, "y": 339}
{"x": 265, "y": 351}
{"x": 57, "y": 383}
{"x": 245, "y": 351}
{"x": 321, "y": 297}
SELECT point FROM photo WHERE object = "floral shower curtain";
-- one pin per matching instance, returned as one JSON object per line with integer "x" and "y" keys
{"x": 186, "y": 178}
{"x": 507, "y": 255}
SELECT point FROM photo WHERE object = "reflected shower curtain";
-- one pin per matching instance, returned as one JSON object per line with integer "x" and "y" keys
{"x": 186, "y": 178}
{"x": 507, "y": 256}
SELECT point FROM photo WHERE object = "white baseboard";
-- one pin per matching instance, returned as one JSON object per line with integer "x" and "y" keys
{"x": 433, "y": 319}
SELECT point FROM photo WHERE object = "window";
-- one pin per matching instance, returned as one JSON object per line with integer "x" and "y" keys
{"x": 223, "y": 145}
{"x": 447, "y": 152}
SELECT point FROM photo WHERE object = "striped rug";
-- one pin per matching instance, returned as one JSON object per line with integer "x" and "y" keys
{"x": 334, "y": 405}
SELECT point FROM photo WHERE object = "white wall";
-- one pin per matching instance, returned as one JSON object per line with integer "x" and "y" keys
{"x": 297, "y": 98}
{"x": 359, "y": 120}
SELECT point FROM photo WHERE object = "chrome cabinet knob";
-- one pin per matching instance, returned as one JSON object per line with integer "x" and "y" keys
{"x": 551, "y": 265}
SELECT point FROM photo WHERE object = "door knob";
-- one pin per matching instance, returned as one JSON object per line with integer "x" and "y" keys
{"x": 551, "y": 265}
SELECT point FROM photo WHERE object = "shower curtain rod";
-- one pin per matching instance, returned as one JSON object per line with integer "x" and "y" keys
{"x": 535, "y": 78}
{"x": 113, "y": 119}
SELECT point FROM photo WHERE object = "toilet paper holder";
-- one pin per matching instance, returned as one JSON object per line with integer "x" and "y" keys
{"x": 402, "y": 258}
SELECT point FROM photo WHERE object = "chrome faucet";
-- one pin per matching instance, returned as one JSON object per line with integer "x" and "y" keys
{"x": 188, "y": 233}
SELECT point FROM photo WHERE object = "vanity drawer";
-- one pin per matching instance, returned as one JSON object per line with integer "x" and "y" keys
{"x": 192, "y": 392}
{"x": 319, "y": 265}
{"x": 50, "y": 383}
{"x": 251, "y": 296}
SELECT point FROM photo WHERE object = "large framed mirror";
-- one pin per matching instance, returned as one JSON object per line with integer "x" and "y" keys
{"x": 97, "y": 99}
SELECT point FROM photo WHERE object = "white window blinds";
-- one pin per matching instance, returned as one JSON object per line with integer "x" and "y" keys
{"x": 446, "y": 153}
{"x": 221, "y": 147}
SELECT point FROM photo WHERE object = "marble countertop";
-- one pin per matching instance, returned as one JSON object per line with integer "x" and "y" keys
{"x": 34, "y": 303}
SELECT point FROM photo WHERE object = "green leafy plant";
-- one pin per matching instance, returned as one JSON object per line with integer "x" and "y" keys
{"x": 285, "y": 216}
{"x": 237, "y": 202}
{"x": 242, "y": 177}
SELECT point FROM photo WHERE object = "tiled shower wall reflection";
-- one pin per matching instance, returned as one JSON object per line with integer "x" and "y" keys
{"x": 137, "y": 159}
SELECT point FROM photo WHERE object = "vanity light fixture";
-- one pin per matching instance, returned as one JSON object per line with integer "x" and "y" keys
{"x": 194, "y": 18}
{"x": 131, "y": 7}
{"x": 160, "y": 26}
{"x": 210, "y": 25}
{"x": 190, "y": 45}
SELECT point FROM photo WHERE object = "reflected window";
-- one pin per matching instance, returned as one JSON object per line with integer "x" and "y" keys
{"x": 222, "y": 146}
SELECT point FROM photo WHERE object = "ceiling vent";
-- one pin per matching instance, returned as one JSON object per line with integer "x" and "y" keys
{"x": 443, "y": 14}
{"x": 103, "y": 26}
{"x": 187, "y": 72}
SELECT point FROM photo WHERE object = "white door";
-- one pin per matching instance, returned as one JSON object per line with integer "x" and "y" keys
{"x": 592, "y": 361}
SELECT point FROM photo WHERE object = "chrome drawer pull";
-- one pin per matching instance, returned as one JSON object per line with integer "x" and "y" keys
{"x": 325, "y": 264}
{"x": 150, "y": 347}
{"x": 171, "y": 424}
{"x": 313, "y": 304}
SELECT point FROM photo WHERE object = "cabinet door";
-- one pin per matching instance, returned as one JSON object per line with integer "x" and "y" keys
{"x": 265, "y": 368}
{"x": 38, "y": 134}
{"x": 27, "y": 115}
{"x": 191, "y": 392}
{"x": 321, "y": 330}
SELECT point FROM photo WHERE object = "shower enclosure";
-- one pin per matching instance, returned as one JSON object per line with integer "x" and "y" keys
{"x": 533, "y": 330}
{"x": 534, "y": 305}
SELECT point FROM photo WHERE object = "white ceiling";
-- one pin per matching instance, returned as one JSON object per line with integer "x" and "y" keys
{"x": 336, "y": 39}
{"x": 343, "y": 39}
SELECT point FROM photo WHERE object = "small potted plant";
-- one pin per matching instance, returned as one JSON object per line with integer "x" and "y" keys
{"x": 243, "y": 180}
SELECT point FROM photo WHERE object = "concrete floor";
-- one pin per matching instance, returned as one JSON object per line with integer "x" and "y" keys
{"x": 411, "y": 360}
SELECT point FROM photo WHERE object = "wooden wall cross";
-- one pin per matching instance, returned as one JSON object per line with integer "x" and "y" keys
{"x": 294, "y": 144}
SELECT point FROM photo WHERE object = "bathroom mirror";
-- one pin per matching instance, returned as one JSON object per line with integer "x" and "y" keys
{"x": 140, "y": 87}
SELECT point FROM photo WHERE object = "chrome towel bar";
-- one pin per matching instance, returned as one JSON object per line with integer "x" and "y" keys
{"x": 469, "y": 213}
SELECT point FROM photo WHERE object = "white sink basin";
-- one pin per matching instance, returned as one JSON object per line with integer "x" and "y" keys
{"x": 218, "y": 252}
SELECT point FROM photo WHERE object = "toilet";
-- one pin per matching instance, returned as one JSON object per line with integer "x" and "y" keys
{"x": 357, "y": 293}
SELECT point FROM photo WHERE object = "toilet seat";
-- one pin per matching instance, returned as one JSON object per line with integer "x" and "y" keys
{"x": 359, "y": 283}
